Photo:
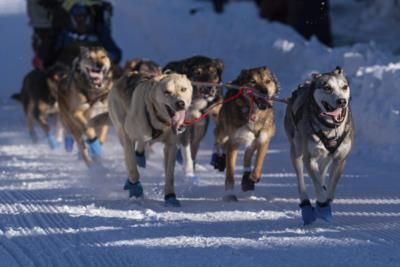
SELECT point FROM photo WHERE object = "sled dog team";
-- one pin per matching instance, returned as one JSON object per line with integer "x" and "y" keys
{"x": 174, "y": 104}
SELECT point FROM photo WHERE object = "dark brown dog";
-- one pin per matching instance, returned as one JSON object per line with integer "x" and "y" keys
{"x": 38, "y": 98}
{"x": 198, "y": 69}
{"x": 248, "y": 120}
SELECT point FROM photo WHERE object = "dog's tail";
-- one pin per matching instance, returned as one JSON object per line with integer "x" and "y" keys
{"x": 17, "y": 97}
{"x": 100, "y": 120}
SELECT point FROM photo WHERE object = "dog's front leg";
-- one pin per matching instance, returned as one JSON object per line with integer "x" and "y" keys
{"x": 335, "y": 174}
{"x": 133, "y": 184}
{"x": 247, "y": 181}
{"x": 129, "y": 153}
{"x": 169, "y": 166}
{"x": 231, "y": 156}
{"x": 81, "y": 119}
{"x": 297, "y": 160}
{"x": 314, "y": 172}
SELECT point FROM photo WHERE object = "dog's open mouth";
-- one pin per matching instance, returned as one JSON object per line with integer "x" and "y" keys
{"x": 177, "y": 119}
{"x": 336, "y": 113}
{"x": 96, "y": 76}
{"x": 263, "y": 102}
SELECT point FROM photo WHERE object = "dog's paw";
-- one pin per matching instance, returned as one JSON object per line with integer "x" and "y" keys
{"x": 323, "y": 211}
{"x": 140, "y": 159}
{"x": 52, "y": 141}
{"x": 247, "y": 183}
{"x": 218, "y": 161}
{"x": 179, "y": 157}
{"x": 94, "y": 146}
{"x": 171, "y": 201}
{"x": 307, "y": 212}
{"x": 68, "y": 143}
{"x": 135, "y": 189}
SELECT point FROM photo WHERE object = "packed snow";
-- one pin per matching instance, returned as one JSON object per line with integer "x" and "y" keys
{"x": 55, "y": 212}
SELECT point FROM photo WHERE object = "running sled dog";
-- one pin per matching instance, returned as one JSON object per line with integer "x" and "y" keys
{"x": 82, "y": 95}
{"x": 38, "y": 97}
{"x": 145, "y": 109}
{"x": 319, "y": 126}
{"x": 204, "y": 70}
{"x": 247, "y": 118}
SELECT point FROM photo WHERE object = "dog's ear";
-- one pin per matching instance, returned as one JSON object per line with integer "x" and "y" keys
{"x": 315, "y": 75}
{"x": 172, "y": 67}
{"x": 83, "y": 49}
{"x": 338, "y": 70}
{"x": 131, "y": 65}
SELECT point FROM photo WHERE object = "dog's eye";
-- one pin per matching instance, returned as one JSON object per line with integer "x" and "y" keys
{"x": 345, "y": 87}
{"x": 267, "y": 81}
{"x": 328, "y": 89}
{"x": 167, "y": 93}
{"x": 183, "y": 89}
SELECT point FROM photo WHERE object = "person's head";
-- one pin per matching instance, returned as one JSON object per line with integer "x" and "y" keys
{"x": 80, "y": 17}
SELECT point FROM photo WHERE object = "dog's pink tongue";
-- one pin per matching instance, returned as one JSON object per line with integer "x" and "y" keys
{"x": 97, "y": 76}
{"x": 178, "y": 119}
{"x": 336, "y": 114}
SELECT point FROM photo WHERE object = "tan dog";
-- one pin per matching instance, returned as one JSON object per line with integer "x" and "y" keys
{"x": 247, "y": 120}
{"x": 38, "y": 99}
{"x": 144, "y": 109}
{"x": 83, "y": 95}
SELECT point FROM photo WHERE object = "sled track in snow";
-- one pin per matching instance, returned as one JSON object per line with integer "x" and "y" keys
{"x": 53, "y": 212}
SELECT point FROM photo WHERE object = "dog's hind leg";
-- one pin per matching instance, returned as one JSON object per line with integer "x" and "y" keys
{"x": 169, "y": 166}
{"x": 188, "y": 166}
{"x": 198, "y": 133}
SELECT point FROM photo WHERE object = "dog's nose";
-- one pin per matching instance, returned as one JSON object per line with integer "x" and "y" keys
{"x": 341, "y": 102}
{"x": 99, "y": 65}
{"x": 180, "y": 105}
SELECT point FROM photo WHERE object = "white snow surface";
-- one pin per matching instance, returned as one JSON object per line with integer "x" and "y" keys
{"x": 56, "y": 212}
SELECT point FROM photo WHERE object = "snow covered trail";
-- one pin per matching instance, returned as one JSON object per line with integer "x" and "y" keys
{"x": 54, "y": 212}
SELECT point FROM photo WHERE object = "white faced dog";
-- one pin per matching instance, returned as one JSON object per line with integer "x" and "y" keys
{"x": 319, "y": 127}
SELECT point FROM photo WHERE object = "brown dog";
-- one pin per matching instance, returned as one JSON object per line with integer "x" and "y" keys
{"x": 38, "y": 99}
{"x": 82, "y": 95}
{"x": 247, "y": 119}
{"x": 206, "y": 70}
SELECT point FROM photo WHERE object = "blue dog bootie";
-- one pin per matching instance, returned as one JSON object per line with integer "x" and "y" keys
{"x": 52, "y": 141}
{"x": 135, "y": 189}
{"x": 140, "y": 159}
{"x": 323, "y": 211}
{"x": 307, "y": 212}
{"x": 171, "y": 201}
{"x": 68, "y": 143}
{"x": 94, "y": 146}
